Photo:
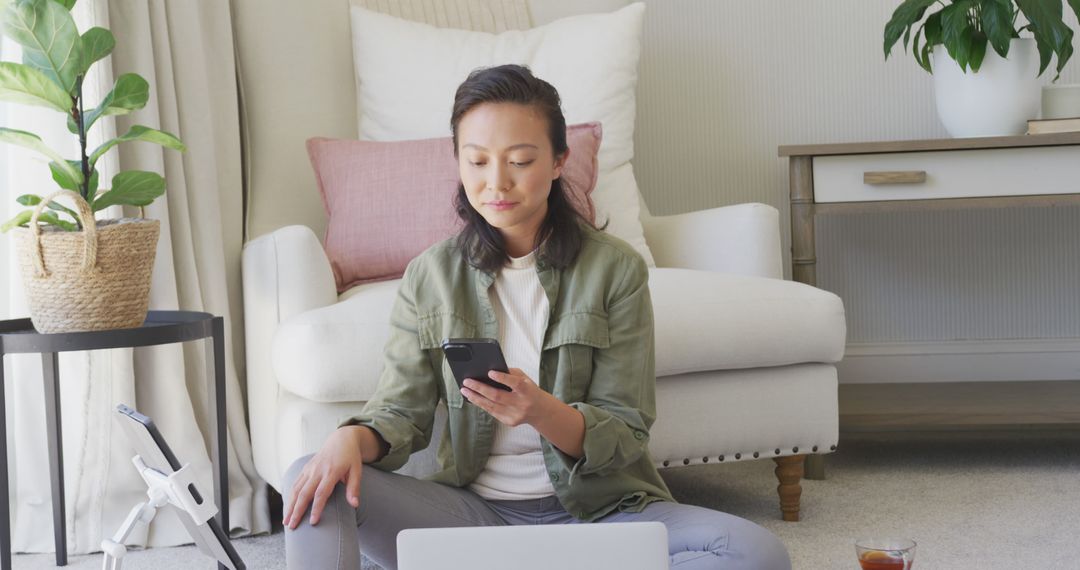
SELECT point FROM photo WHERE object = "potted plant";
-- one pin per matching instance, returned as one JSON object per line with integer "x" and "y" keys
{"x": 79, "y": 273}
{"x": 1001, "y": 92}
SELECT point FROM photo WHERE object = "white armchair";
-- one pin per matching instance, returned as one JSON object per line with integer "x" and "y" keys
{"x": 745, "y": 360}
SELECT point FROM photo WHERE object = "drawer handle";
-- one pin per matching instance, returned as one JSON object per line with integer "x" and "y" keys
{"x": 894, "y": 177}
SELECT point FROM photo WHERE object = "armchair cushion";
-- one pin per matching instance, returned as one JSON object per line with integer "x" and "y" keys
{"x": 719, "y": 321}
{"x": 334, "y": 353}
{"x": 705, "y": 321}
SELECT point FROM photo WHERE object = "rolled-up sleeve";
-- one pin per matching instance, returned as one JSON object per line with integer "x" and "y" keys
{"x": 403, "y": 407}
{"x": 620, "y": 404}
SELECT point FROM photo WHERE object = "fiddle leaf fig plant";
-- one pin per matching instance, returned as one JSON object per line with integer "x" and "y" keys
{"x": 967, "y": 27}
{"x": 56, "y": 59}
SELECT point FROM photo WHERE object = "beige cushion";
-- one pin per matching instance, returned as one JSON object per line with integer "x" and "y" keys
{"x": 718, "y": 321}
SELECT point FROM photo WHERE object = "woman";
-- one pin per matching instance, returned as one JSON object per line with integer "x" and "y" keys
{"x": 571, "y": 307}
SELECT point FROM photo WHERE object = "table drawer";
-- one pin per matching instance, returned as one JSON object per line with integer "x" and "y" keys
{"x": 947, "y": 174}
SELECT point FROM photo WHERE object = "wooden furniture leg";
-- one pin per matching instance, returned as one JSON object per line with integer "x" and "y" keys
{"x": 789, "y": 470}
{"x": 814, "y": 467}
{"x": 804, "y": 252}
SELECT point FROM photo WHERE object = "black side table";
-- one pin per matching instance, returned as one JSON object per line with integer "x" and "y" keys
{"x": 161, "y": 327}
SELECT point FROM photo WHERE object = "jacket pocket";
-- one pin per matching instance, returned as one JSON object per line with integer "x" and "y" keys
{"x": 432, "y": 329}
{"x": 573, "y": 338}
{"x": 453, "y": 396}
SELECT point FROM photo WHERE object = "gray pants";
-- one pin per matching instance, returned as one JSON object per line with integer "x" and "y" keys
{"x": 698, "y": 538}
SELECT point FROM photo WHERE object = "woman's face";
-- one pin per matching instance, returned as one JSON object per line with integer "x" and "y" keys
{"x": 507, "y": 164}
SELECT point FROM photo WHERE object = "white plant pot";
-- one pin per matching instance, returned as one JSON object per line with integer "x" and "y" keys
{"x": 998, "y": 100}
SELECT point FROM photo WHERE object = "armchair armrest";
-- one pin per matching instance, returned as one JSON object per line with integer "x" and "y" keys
{"x": 285, "y": 273}
{"x": 743, "y": 239}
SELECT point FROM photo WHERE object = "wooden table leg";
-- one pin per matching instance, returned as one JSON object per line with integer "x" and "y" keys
{"x": 804, "y": 252}
{"x": 50, "y": 368}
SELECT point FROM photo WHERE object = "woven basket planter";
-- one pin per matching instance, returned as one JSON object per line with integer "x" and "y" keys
{"x": 95, "y": 279}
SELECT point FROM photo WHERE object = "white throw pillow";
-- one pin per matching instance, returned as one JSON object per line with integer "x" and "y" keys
{"x": 407, "y": 73}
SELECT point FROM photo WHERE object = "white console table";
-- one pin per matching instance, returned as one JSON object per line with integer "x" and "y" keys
{"x": 992, "y": 172}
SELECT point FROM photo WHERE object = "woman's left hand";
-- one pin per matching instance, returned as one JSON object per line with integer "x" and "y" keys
{"x": 523, "y": 405}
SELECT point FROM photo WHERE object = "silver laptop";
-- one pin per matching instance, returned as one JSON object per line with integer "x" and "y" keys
{"x": 597, "y": 546}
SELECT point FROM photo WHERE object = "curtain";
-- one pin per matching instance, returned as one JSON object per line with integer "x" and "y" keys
{"x": 5, "y": 269}
{"x": 185, "y": 51}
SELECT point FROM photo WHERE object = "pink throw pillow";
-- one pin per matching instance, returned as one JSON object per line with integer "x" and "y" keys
{"x": 389, "y": 201}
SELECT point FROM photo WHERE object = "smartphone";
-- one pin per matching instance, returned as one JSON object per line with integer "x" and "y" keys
{"x": 474, "y": 358}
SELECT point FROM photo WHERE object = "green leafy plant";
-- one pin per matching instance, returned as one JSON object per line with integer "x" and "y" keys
{"x": 966, "y": 27}
{"x": 55, "y": 60}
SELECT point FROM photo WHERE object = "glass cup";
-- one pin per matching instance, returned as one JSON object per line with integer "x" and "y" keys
{"x": 885, "y": 553}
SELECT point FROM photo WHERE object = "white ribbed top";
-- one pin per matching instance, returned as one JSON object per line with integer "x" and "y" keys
{"x": 515, "y": 470}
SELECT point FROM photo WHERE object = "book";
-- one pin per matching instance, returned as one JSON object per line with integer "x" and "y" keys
{"x": 1046, "y": 126}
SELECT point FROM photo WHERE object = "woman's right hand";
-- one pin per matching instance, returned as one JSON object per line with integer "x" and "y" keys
{"x": 339, "y": 461}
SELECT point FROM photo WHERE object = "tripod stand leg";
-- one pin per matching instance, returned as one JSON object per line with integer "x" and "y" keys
{"x": 114, "y": 549}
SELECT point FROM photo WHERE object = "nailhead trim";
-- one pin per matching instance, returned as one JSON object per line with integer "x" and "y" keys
{"x": 738, "y": 456}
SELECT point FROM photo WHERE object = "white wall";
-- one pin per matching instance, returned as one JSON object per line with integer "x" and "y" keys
{"x": 724, "y": 82}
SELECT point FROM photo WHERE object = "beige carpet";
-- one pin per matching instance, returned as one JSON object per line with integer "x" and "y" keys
{"x": 986, "y": 500}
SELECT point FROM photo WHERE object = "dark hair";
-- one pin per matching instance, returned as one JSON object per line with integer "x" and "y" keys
{"x": 480, "y": 243}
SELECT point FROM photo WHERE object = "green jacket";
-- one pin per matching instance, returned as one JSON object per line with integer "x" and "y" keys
{"x": 597, "y": 356}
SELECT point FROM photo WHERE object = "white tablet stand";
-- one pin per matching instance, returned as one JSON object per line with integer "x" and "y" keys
{"x": 174, "y": 489}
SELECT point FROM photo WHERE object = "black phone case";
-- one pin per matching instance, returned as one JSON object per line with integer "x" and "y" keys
{"x": 486, "y": 356}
